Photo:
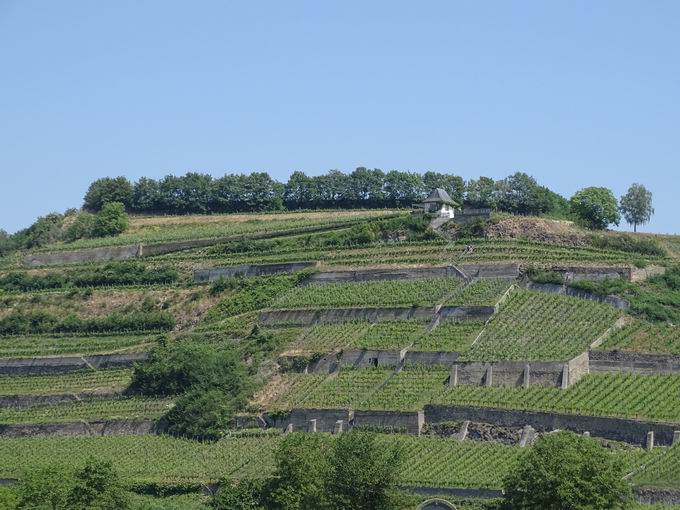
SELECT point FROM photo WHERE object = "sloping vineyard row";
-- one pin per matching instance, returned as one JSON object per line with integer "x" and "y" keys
{"x": 72, "y": 382}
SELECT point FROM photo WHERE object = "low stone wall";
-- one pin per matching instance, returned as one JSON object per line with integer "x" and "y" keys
{"x": 503, "y": 271}
{"x": 508, "y": 373}
{"x": 575, "y": 273}
{"x": 645, "y": 273}
{"x": 331, "y": 315}
{"x": 618, "y": 429}
{"x": 551, "y": 288}
{"x": 454, "y": 492}
{"x": 411, "y": 423}
{"x": 209, "y": 275}
{"x": 300, "y": 420}
{"x": 634, "y": 362}
{"x": 443, "y": 359}
{"x": 27, "y": 401}
{"x": 56, "y": 365}
{"x": 654, "y": 495}
{"x": 364, "y": 275}
{"x": 80, "y": 428}
{"x": 371, "y": 358}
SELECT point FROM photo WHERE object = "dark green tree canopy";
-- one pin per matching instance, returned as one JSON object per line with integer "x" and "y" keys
{"x": 108, "y": 189}
{"x": 636, "y": 205}
{"x": 595, "y": 208}
{"x": 565, "y": 471}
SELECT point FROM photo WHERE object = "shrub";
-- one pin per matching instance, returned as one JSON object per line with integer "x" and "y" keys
{"x": 629, "y": 244}
{"x": 564, "y": 471}
{"x": 82, "y": 226}
{"x": 239, "y": 495}
{"x": 202, "y": 413}
{"x": 111, "y": 220}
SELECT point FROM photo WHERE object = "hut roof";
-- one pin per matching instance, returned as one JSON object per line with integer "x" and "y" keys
{"x": 439, "y": 196}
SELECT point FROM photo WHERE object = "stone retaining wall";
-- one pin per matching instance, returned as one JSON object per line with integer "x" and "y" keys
{"x": 575, "y": 273}
{"x": 634, "y": 362}
{"x": 552, "y": 288}
{"x": 80, "y": 428}
{"x": 618, "y": 429}
{"x": 57, "y": 365}
{"x": 327, "y": 420}
{"x": 654, "y": 495}
{"x": 314, "y": 316}
{"x": 371, "y": 358}
{"x": 209, "y": 275}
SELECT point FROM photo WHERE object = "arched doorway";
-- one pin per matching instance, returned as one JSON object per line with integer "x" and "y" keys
{"x": 436, "y": 504}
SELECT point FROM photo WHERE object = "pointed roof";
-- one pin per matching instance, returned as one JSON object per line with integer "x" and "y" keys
{"x": 439, "y": 196}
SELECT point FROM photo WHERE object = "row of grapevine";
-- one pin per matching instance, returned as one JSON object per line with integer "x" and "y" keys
{"x": 71, "y": 382}
{"x": 485, "y": 292}
{"x": 429, "y": 461}
{"x": 650, "y": 397}
{"x": 537, "y": 326}
{"x": 29, "y": 346}
{"x": 104, "y": 409}
{"x": 426, "y": 292}
{"x": 643, "y": 336}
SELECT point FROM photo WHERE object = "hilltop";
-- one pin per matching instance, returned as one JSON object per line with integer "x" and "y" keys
{"x": 186, "y": 348}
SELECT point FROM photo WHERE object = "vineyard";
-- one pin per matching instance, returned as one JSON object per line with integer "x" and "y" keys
{"x": 105, "y": 409}
{"x": 535, "y": 326}
{"x": 390, "y": 334}
{"x": 662, "y": 470}
{"x": 29, "y": 346}
{"x": 449, "y": 336}
{"x": 325, "y": 338}
{"x": 422, "y": 252}
{"x": 218, "y": 226}
{"x": 481, "y": 293}
{"x": 434, "y": 462}
{"x": 642, "y": 336}
{"x": 427, "y": 292}
{"x": 649, "y": 397}
{"x": 72, "y": 382}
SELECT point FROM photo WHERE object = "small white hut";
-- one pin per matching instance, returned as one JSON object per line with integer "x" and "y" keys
{"x": 440, "y": 203}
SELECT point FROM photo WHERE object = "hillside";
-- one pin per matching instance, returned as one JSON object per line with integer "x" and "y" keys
{"x": 186, "y": 348}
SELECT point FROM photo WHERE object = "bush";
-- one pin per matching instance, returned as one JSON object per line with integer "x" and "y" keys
{"x": 539, "y": 276}
{"x": 174, "y": 369}
{"x": 595, "y": 208}
{"x": 81, "y": 227}
{"x": 202, "y": 414}
{"x": 564, "y": 471}
{"x": 629, "y": 244}
{"x": 239, "y": 495}
{"x": 110, "y": 221}
{"x": 97, "y": 487}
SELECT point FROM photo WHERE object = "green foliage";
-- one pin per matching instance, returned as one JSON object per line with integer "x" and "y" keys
{"x": 71, "y": 382}
{"x": 82, "y": 226}
{"x": 239, "y": 495}
{"x": 45, "y": 488}
{"x": 8, "y": 498}
{"x": 595, "y": 207}
{"x": 110, "y": 273}
{"x": 97, "y": 487}
{"x": 363, "y": 473}
{"x": 202, "y": 413}
{"x": 302, "y": 466}
{"x": 636, "y": 205}
{"x": 111, "y": 220}
{"x": 628, "y": 243}
{"x": 93, "y": 487}
{"x": 539, "y": 276}
{"x": 33, "y": 322}
{"x": 108, "y": 189}
{"x": 177, "y": 367}
{"x": 564, "y": 471}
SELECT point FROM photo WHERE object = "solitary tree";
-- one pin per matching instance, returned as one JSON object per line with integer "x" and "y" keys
{"x": 636, "y": 205}
{"x": 110, "y": 221}
{"x": 565, "y": 471}
{"x": 595, "y": 207}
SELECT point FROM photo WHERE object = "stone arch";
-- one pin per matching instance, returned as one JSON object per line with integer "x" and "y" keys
{"x": 436, "y": 504}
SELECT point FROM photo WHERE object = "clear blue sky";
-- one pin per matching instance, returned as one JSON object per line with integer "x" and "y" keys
{"x": 576, "y": 93}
